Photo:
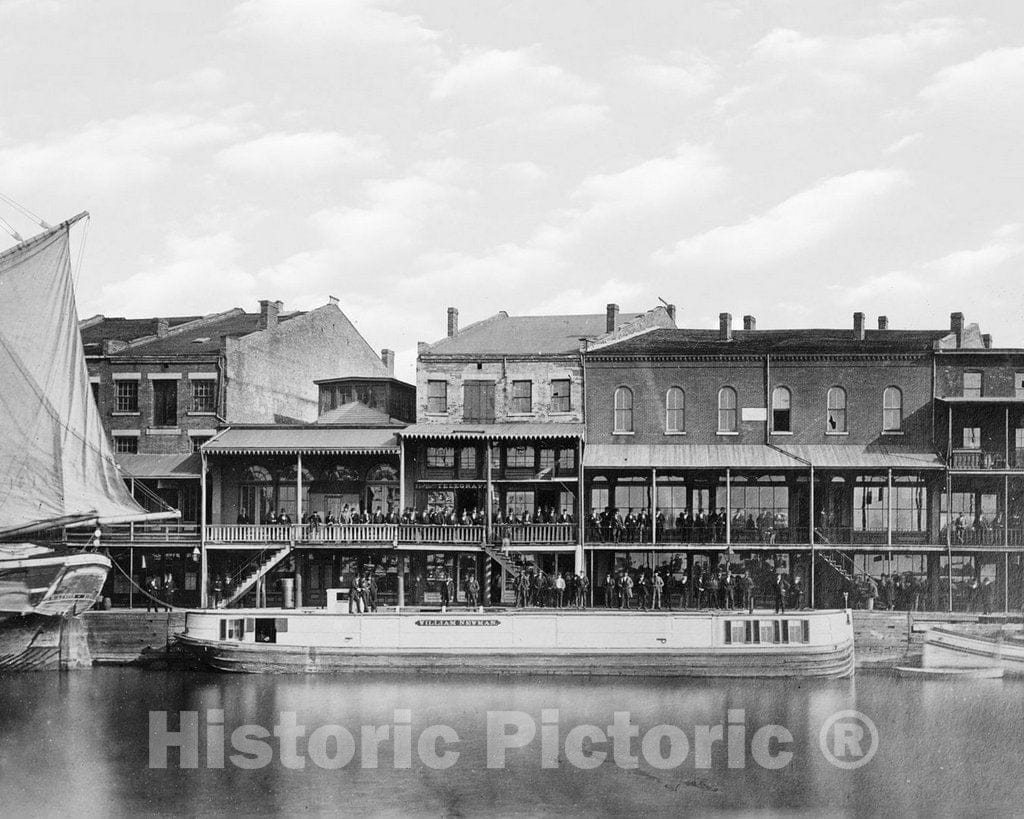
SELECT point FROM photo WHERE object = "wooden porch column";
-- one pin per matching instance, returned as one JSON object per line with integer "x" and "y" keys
{"x": 654, "y": 506}
{"x": 488, "y": 500}
{"x": 401, "y": 580}
{"x": 579, "y": 564}
{"x": 810, "y": 534}
{"x": 298, "y": 488}
{"x": 728, "y": 506}
{"x": 131, "y": 574}
{"x": 888, "y": 510}
{"x": 949, "y": 530}
{"x": 203, "y": 567}
{"x": 1006, "y": 540}
{"x": 401, "y": 477}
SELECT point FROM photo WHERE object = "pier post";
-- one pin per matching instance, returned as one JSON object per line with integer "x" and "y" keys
{"x": 203, "y": 566}
{"x": 810, "y": 534}
{"x": 401, "y": 579}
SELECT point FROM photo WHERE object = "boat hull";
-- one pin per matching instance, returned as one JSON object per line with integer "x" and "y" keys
{"x": 52, "y": 584}
{"x": 446, "y": 647}
{"x": 944, "y": 647}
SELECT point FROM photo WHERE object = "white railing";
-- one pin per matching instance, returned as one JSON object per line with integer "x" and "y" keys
{"x": 344, "y": 533}
{"x": 535, "y": 532}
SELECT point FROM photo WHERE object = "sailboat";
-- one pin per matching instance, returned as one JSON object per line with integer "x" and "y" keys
{"x": 57, "y": 470}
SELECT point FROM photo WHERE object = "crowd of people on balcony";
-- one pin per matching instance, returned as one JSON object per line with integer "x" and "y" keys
{"x": 610, "y": 526}
{"x": 430, "y": 515}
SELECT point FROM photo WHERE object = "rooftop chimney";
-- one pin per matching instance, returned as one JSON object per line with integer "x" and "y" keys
{"x": 388, "y": 357}
{"x": 611, "y": 317}
{"x": 986, "y": 339}
{"x": 162, "y": 326}
{"x": 858, "y": 326}
{"x": 671, "y": 308}
{"x": 749, "y": 323}
{"x": 268, "y": 313}
{"x": 332, "y": 299}
{"x": 725, "y": 326}
{"x": 956, "y": 325}
{"x": 883, "y": 323}
{"x": 453, "y": 321}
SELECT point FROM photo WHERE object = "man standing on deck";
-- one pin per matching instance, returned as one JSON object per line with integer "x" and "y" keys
{"x": 659, "y": 587}
{"x": 780, "y": 594}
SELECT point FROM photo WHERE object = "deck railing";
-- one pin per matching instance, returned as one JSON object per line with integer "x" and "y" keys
{"x": 534, "y": 532}
{"x": 141, "y": 533}
{"x": 983, "y": 459}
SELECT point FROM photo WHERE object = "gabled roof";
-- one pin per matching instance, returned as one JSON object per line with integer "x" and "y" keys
{"x": 502, "y": 334}
{"x": 357, "y": 414}
{"x": 668, "y": 342}
{"x": 202, "y": 336}
{"x": 98, "y": 329}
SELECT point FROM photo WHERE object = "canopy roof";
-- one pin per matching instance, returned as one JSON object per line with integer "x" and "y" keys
{"x": 160, "y": 466}
{"x": 688, "y": 456}
{"x": 318, "y": 440}
{"x": 493, "y": 431}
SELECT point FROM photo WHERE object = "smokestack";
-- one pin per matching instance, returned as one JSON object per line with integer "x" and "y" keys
{"x": 749, "y": 323}
{"x": 725, "y": 326}
{"x": 883, "y": 323}
{"x": 858, "y": 326}
{"x": 162, "y": 326}
{"x": 956, "y": 325}
{"x": 388, "y": 357}
{"x": 611, "y": 317}
{"x": 671, "y": 308}
{"x": 453, "y": 321}
{"x": 268, "y": 313}
{"x": 986, "y": 339}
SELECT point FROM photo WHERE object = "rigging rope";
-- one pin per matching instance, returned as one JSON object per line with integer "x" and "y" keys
{"x": 131, "y": 580}
{"x": 7, "y": 227}
{"x": 35, "y": 217}
{"x": 81, "y": 252}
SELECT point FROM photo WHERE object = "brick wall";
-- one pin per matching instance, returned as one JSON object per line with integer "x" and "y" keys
{"x": 503, "y": 373}
{"x": 808, "y": 381}
{"x": 155, "y": 441}
{"x": 270, "y": 374}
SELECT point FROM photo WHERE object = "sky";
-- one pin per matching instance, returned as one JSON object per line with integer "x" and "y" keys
{"x": 797, "y": 161}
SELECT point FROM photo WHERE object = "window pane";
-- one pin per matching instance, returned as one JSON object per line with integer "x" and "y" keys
{"x": 203, "y": 394}
{"x": 836, "y": 410}
{"x": 522, "y": 396}
{"x": 560, "y": 395}
{"x": 675, "y": 413}
{"x": 727, "y": 409}
{"x": 972, "y": 385}
{"x": 127, "y": 396}
{"x": 437, "y": 396}
{"x": 623, "y": 410}
{"x": 165, "y": 403}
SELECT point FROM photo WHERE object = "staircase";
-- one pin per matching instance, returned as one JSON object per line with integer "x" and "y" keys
{"x": 245, "y": 578}
{"x": 504, "y": 559}
{"x": 836, "y": 559}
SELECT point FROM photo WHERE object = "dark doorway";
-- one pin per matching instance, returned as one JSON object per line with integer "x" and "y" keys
{"x": 266, "y": 630}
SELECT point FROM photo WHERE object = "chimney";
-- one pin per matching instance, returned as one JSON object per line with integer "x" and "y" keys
{"x": 725, "y": 327}
{"x": 162, "y": 326}
{"x": 332, "y": 300}
{"x": 749, "y": 323}
{"x": 858, "y": 326}
{"x": 883, "y": 323}
{"x": 956, "y": 325}
{"x": 453, "y": 321}
{"x": 388, "y": 357}
{"x": 986, "y": 339}
{"x": 671, "y": 309}
{"x": 268, "y": 313}
{"x": 611, "y": 317}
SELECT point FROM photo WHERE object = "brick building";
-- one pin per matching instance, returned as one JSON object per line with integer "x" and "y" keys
{"x": 165, "y": 386}
{"x": 820, "y": 452}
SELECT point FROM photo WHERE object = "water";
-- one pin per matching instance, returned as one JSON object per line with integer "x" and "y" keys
{"x": 80, "y": 742}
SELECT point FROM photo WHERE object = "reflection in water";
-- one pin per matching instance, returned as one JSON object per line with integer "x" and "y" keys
{"x": 82, "y": 740}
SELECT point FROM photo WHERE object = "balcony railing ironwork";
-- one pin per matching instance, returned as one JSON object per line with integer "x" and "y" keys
{"x": 983, "y": 459}
{"x": 389, "y": 533}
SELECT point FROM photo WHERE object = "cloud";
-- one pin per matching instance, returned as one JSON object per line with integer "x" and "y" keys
{"x": 994, "y": 76}
{"x": 198, "y": 274}
{"x": 109, "y": 155}
{"x": 1006, "y": 245}
{"x": 689, "y": 76}
{"x": 903, "y": 142}
{"x": 203, "y": 82}
{"x": 796, "y": 224}
{"x": 871, "y": 53}
{"x": 353, "y": 24}
{"x": 305, "y": 154}
{"x": 516, "y": 88}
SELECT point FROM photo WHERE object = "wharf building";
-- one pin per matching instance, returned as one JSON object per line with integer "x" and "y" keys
{"x": 166, "y": 386}
{"x": 586, "y": 443}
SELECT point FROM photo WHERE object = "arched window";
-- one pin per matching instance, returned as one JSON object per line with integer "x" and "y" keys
{"x": 382, "y": 473}
{"x": 623, "y": 410}
{"x": 892, "y": 410}
{"x": 675, "y": 410}
{"x": 382, "y": 494}
{"x": 255, "y": 495}
{"x": 727, "y": 410}
{"x": 836, "y": 410}
{"x": 340, "y": 474}
{"x": 781, "y": 419}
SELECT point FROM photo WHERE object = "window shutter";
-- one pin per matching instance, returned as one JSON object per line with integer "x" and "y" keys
{"x": 486, "y": 402}
{"x": 471, "y": 402}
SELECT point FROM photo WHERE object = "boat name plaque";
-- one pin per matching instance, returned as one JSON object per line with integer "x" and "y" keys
{"x": 438, "y": 622}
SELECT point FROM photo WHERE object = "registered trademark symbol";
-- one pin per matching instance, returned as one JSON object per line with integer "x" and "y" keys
{"x": 843, "y": 738}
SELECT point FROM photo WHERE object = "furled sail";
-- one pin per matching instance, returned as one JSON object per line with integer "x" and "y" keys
{"x": 56, "y": 467}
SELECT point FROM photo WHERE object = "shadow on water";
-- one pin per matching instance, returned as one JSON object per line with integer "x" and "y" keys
{"x": 83, "y": 740}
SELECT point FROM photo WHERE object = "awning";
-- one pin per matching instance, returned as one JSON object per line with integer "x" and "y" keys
{"x": 307, "y": 440}
{"x": 872, "y": 456}
{"x": 505, "y": 432}
{"x": 160, "y": 466}
{"x": 688, "y": 456}
{"x": 981, "y": 399}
